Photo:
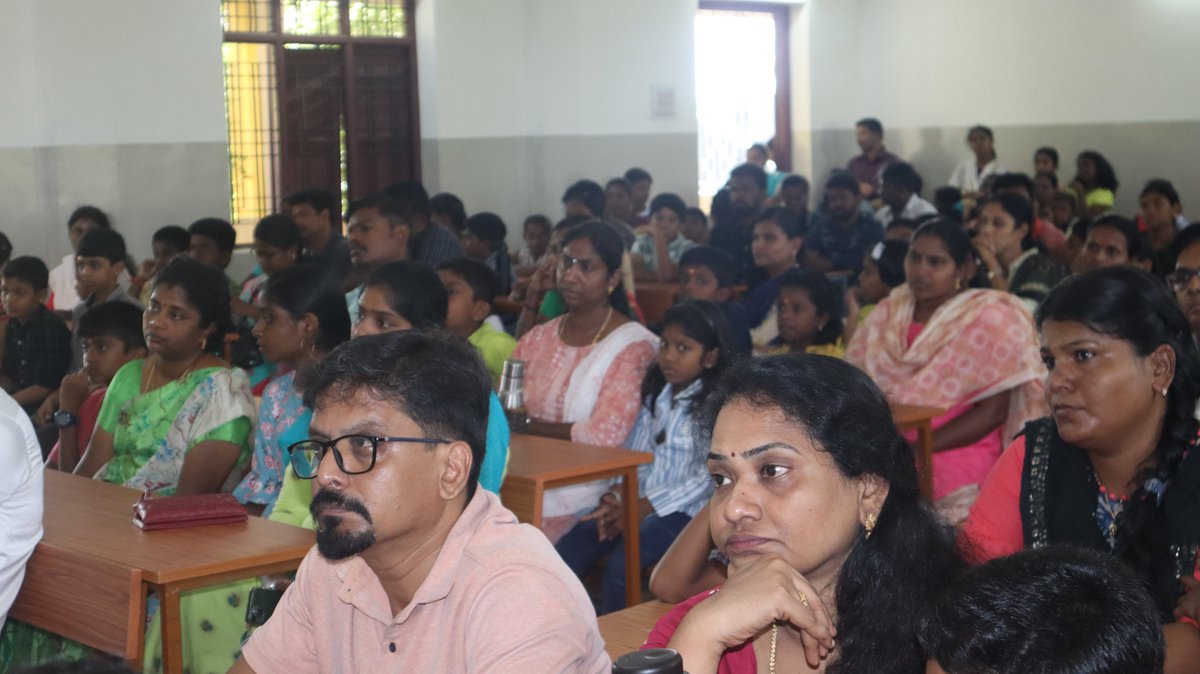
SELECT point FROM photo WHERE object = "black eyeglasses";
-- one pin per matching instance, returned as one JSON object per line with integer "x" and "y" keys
{"x": 354, "y": 454}
{"x": 1182, "y": 277}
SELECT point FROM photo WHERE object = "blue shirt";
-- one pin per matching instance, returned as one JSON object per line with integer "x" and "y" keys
{"x": 677, "y": 481}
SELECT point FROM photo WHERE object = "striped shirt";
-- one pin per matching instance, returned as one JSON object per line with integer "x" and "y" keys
{"x": 677, "y": 481}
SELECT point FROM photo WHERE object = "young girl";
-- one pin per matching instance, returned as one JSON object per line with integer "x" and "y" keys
{"x": 810, "y": 316}
{"x": 695, "y": 349}
{"x": 1095, "y": 184}
{"x": 883, "y": 269}
{"x": 483, "y": 240}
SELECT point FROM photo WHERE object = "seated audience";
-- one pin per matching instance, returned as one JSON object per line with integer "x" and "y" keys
{"x": 695, "y": 351}
{"x": 483, "y": 240}
{"x": 793, "y": 194}
{"x": 20, "y": 499}
{"x": 1045, "y": 234}
{"x": 695, "y": 226}
{"x": 110, "y": 336}
{"x": 707, "y": 274}
{"x": 733, "y": 225}
{"x": 447, "y": 210}
{"x": 809, "y": 314}
{"x": 761, "y": 156}
{"x": 428, "y": 242}
{"x": 639, "y": 180}
{"x": 1045, "y": 189}
{"x": 935, "y": 341}
{"x": 211, "y": 244}
{"x": 1045, "y": 160}
{"x": 277, "y": 246}
{"x": 63, "y": 293}
{"x": 535, "y": 232}
{"x": 901, "y": 229}
{"x": 656, "y": 252}
{"x": 803, "y": 434}
{"x": 1162, "y": 217}
{"x": 949, "y": 203}
{"x": 584, "y": 197}
{"x": 471, "y": 290}
{"x": 301, "y": 318}
{"x": 541, "y": 300}
{"x": 37, "y": 345}
{"x": 901, "y": 194}
{"x": 883, "y": 269}
{"x": 972, "y": 174}
{"x": 867, "y": 168}
{"x": 1055, "y": 609}
{"x": 166, "y": 243}
{"x": 318, "y": 216}
{"x": 1095, "y": 184}
{"x": 1115, "y": 468}
{"x": 838, "y": 239}
{"x": 1185, "y": 277}
{"x": 779, "y": 236}
{"x": 1010, "y": 256}
{"x": 408, "y": 532}
{"x": 99, "y": 264}
{"x": 1113, "y": 239}
{"x": 618, "y": 202}
{"x": 583, "y": 370}
{"x": 378, "y": 230}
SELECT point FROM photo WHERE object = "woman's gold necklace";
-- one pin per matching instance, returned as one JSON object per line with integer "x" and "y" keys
{"x": 595, "y": 338}
{"x": 149, "y": 386}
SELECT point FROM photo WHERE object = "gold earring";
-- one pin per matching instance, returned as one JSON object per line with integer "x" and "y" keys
{"x": 869, "y": 525}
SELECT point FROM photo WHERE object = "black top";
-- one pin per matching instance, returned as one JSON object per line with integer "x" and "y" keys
{"x": 37, "y": 350}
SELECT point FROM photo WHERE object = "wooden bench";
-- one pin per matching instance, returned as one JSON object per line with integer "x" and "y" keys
{"x": 93, "y": 601}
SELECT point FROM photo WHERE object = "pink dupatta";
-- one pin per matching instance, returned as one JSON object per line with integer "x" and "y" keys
{"x": 977, "y": 344}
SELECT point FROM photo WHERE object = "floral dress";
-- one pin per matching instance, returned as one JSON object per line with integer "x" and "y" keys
{"x": 282, "y": 420}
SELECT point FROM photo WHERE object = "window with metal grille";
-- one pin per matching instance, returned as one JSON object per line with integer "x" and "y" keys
{"x": 318, "y": 94}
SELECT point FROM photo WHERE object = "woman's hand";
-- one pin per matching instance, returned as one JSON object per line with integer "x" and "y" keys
{"x": 1188, "y": 605}
{"x": 751, "y": 601}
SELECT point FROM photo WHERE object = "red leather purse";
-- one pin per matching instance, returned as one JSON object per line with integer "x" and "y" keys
{"x": 174, "y": 512}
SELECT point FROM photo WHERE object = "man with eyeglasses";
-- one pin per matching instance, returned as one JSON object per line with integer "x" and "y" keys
{"x": 415, "y": 568}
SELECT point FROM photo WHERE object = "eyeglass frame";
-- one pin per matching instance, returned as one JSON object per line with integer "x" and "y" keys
{"x": 1177, "y": 285}
{"x": 327, "y": 445}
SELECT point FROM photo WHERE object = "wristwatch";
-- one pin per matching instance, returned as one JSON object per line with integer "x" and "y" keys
{"x": 64, "y": 419}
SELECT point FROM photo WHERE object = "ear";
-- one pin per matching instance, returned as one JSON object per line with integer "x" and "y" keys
{"x": 874, "y": 491}
{"x": 1162, "y": 366}
{"x": 480, "y": 310}
{"x": 308, "y": 326}
{"x": 615, "y": 278}
{"x": 797, "y": 244}
{"x": 456, "y": 470}
{"x": 120, "y": 266}
{"x": 710, "y": 358}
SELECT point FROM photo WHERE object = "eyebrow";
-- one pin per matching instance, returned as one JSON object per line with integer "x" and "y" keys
{"x": 367, "y": 426}
{"x": 755, "y": 451}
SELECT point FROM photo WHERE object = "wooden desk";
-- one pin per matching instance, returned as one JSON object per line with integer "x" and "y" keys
{"x": 536, "y": 464}
{"x": 626, "y": 630}
{"x": 920, "y": 419}
{"x": 93, "y": 518}
{"x": 655, "y": 297}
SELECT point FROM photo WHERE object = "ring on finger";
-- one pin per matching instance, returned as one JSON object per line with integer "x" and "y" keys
{"x": 804, "y": 599}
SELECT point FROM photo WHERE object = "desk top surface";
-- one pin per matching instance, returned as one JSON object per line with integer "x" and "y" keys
{"x": 96, "y": 517}
{"x": 626, "y": 630}
{"x": 908, "y": 414}
{"x": 534, "y": 457}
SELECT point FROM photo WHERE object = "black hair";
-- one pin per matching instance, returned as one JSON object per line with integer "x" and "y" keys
{"x": 951, "y": 234}
{"x": 760, "y": 147}
{"x": 6, "y": 248}
{"x": 411, "y": 199}
{"x": 716, "y": 260}
{"x": 1052, "y": 609}
{"x": 390, "y": 209}
{"x": 1007, "y": 181}
{"x": 537, "y": 220}
{"x": 414, "y": 291}
{"x": 105, "y": 243}
{"x": 174, "y": 236}
{"x": 637, "y": 175}
{"x": 1049, "y": 152}
{"x": 205, "y": 289}
{"x": 96, "y": 216}
{"x": 981, "y": 129}
{"x": 621, "y": 183}
{"x": 751, "y": 171}
{"x": 434, "y": 378}
{"x": 696, "y": 213}
{"x": 946, "y": 196}
{"x": 610, "y": 249}
{"x": 895, "y": 574}
{"x": 825, "y": 297}
{"x": 669, "y": 201}
{"x": 477, "y": 275}
{"x": 1163, "y": 188}
{"x": 570, "y": 222}
{"x": 903, "y": 174}
{"x": 705, "y": 323}
{"x": 1130, "y": 304}
{"x": 217, "y": 230}
{"x": 1053, "y": 178}
{"x": 587, "y": 192}
{"x": 1106, "y": 177}
{"x": 902, "y": 223}
{"x": 1021, "y": 211}
{"x": 1136, "y": 245}
{"x": 451, "y": 207}
{"x": 871, "y": 124}
{"x": 888, "y": 257}
{"x": 1186, "y": 238}
{"x": 793, "y": 180}
{"x": 29, "y": 269}
{"x": 319, "y": 200}
{"x": 791, "y": 223}
{"x": 843, "y": 180}
{"x": 279, "y": 231}
{"x": 310, "y": 289}
{"x": 490, "y": 228}
{"x": 119, "y": 320}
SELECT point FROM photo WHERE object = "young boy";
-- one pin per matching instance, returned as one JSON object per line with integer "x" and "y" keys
{"x": 536, "y": 233}
{"x": 707, "y": 273}
{"x": 1161, "y": 212}
{"x": 99, "y": 263}
{"x": 111, "y": 334}
{"x": 211, "y": 244}
{"x": 167, "y": 242}
{"x": 695, "y": 226}
{"x": 483, "y": 240}
{"x": 37, "y": 344}
{"x": 63, "y": 295}
{"x": 656, "y": 253}
{"x": 471, "y": 287}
